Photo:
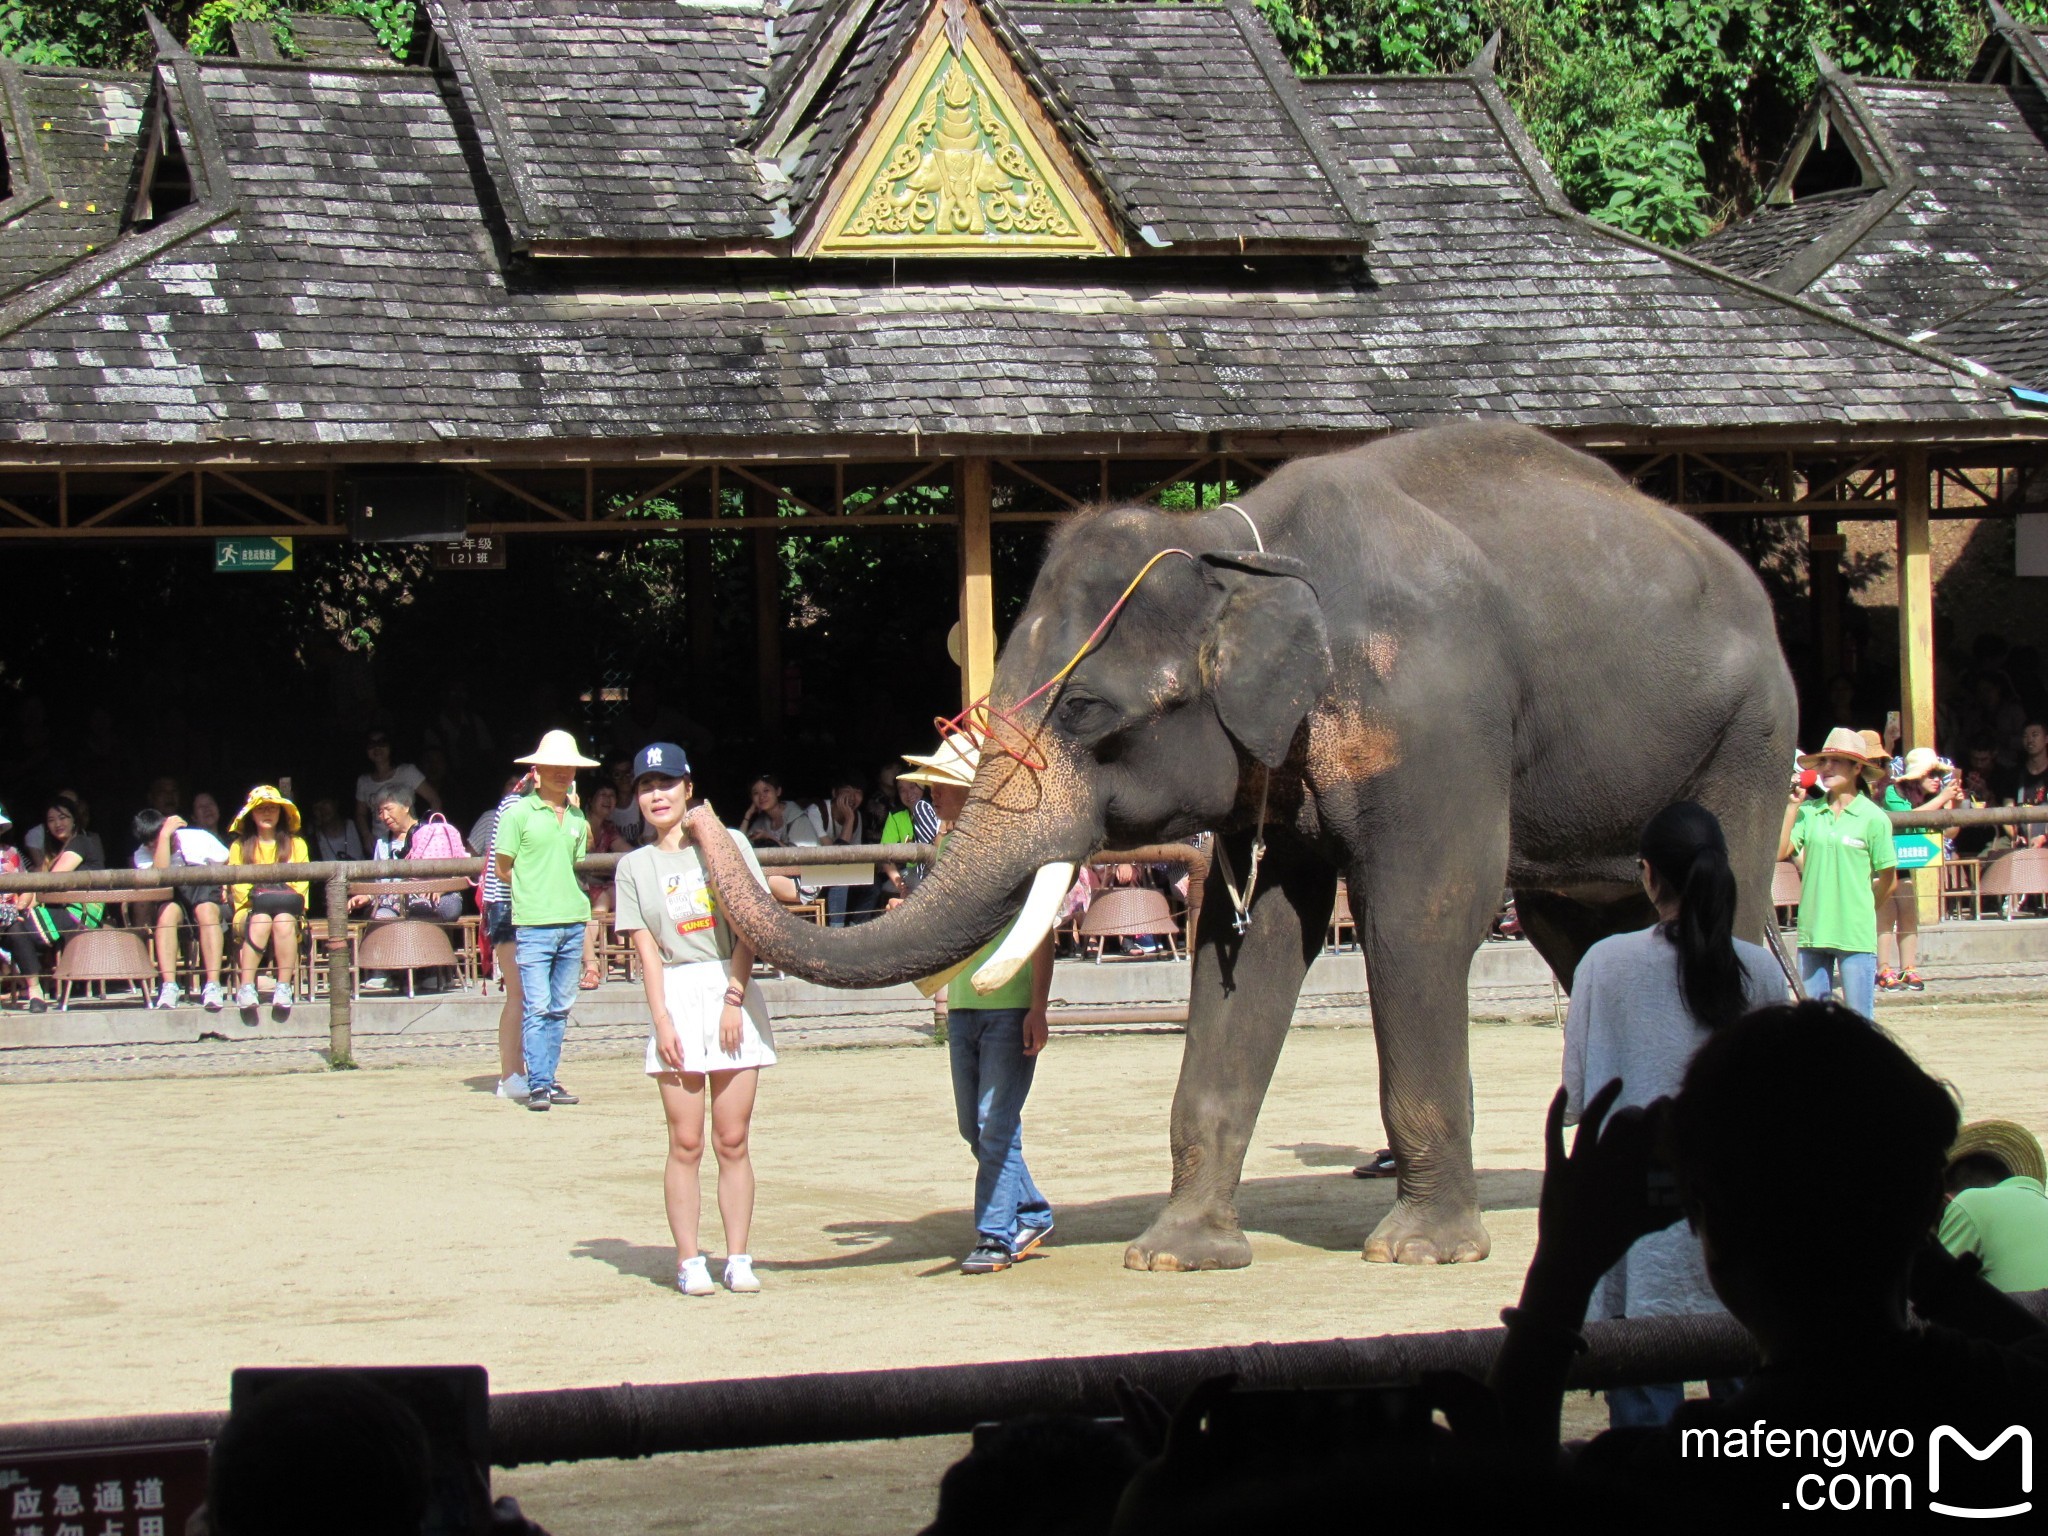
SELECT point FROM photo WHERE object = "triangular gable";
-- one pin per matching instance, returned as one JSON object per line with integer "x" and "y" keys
{"x": 959, "y": 157}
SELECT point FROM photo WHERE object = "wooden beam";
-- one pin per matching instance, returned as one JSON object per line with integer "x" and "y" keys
{"x": 28, "y": 517}
{"x": 1824, "y": 583}
{"x": 972, "y": 486}
{"x": 130, "y": 500}
{"x": 268, "y": 500}
{"x": 1916, "y": 604}
{"x": 524, "y": 495}
{"x": 1073, "y": 502}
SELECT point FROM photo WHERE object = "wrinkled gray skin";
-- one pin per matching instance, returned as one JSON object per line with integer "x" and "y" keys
{"x": 1468, "y": 658}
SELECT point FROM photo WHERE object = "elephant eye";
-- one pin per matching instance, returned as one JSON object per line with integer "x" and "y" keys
{"x": 1080, "y": 714}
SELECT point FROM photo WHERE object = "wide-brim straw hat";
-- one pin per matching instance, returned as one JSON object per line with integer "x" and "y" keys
{"x": 1843, "y": 742}
{"x": 955, "y": 763}
{"x": 267, "y": 794}
{"x": 557, "y": 749}
{"x": 2011, "y": 1143}
{"x": 1920, "y": 762}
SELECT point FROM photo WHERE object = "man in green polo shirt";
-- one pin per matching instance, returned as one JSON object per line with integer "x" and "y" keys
{"x": 539, "y": 839}
{"x": 1847, "y": 866}
{"x": 994, "y": 1039}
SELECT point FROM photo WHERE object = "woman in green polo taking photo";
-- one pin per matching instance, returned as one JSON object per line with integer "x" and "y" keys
{"x": 1842, "y": 843}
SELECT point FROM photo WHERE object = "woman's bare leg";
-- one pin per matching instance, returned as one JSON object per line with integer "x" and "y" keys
{"x": 511, "y": 1042}
{"x": 255, "y": 939}
{"x": 1907, "y": 907}
{"x": 732, "y": 1113}
{"x": 682, "y": 1102}
{"x": 284, "y": 937}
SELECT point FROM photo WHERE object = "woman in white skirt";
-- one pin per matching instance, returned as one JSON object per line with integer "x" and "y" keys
{"x": 710, "y": 1024}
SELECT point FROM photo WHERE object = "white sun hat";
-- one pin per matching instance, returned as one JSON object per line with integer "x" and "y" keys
{"x": 954, "y": 763}
{"x": 557, "y": 749}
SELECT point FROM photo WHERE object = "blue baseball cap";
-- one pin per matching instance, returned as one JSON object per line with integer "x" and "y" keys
{"x": 664, "y": 758}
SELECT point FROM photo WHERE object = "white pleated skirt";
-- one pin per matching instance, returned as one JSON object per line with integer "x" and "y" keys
{"x": 696, "y": 997}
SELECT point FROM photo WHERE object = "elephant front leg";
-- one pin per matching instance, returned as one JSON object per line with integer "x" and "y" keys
{"x": 1239, "y": 1007}
{"x": 1418, "y": 949}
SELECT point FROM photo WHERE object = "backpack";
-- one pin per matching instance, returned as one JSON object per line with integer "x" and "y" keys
{"x": 434, "y": 838}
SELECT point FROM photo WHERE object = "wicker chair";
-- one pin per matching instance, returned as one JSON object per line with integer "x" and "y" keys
{"x": 1786, "y": 886}
{"x": 96, "y": 956}
{"x": 2012, "y": 877}
{"x": 1341, "y": 919}
{"x": 406, "y": 945}
{"x": 1130, "y": 911}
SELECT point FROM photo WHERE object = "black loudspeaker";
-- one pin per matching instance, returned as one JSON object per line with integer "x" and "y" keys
{"x": 396, "y": 506}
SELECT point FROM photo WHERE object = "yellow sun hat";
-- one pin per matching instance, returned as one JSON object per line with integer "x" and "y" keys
{"x": 267, "y": 794}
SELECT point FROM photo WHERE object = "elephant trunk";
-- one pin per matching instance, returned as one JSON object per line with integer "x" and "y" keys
{"x": 969, "y": 895}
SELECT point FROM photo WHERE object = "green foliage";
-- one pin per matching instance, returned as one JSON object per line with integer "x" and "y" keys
{"x": 211, "y": 30}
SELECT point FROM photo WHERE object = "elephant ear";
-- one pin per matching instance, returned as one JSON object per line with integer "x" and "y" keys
{"x": 1267, "y": 660}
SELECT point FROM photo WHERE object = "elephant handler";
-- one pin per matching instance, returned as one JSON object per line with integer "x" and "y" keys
{"x": 1847, "y": 867}
{"x": 994, "y": 1039}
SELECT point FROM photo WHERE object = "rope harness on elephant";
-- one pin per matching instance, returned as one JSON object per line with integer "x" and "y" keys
{"x": 977, "y": 725}
{"x": 1241, "y": 901}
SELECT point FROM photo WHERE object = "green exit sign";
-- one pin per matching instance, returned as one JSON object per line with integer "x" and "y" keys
{"x": 252, "y": 554}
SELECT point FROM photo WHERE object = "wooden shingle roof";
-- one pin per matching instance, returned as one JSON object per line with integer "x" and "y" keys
{"x": 70, "y": 144}
{"x": 1950, "y": 217}
{"x": 344, "y": 280}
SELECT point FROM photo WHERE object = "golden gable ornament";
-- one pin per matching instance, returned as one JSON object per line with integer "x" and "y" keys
{"x": 955, "y": 168}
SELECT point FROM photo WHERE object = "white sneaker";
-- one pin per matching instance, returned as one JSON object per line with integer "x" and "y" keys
{"x": 513, "y": 1087}
{"x": 245, "y": 995}
{"x": 739, "y": 1274}
{"x": 210, "y": 997}
{"x": 168, "y": 996}
{"x": 281, "y": 999}
{"x": 693, "y": 1277}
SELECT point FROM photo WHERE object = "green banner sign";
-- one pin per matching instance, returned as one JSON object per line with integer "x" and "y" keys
{"x": 1916, "y": 850}
{"x": 252, "y": 554}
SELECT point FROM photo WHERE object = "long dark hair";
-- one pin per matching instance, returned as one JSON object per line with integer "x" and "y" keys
{"x": 1684, "y": 845}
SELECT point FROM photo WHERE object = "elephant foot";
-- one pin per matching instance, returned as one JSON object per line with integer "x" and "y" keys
{"x": 1428, "y": 1234}
{"x": 1185, "y": 1240}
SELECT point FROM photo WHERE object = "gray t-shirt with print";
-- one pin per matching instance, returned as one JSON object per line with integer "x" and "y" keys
{"x": 668, "y": 895}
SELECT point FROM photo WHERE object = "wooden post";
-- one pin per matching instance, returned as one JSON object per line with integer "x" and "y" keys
{"x": 340, "y": 983}
{"x": 1916, "y": 604}
{"x": 971, "y": 491}
{"x": 1824, "y": 545}
{"x": 1916, "y": 639}
{"x": 767, "y": 623}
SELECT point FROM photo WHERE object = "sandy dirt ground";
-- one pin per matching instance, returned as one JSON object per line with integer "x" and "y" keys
{"x": 162, "y": 1232}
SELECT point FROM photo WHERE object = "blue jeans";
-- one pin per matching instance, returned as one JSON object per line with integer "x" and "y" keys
{"x": 550, "y": 962}
{"x": 1651, "y": 1407}
{"x": 1858, "y": 973}
{"x": 991, "y": 1077}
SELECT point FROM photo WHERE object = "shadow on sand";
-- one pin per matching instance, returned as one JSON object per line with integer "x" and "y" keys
{"x": 1333, "y": 1212}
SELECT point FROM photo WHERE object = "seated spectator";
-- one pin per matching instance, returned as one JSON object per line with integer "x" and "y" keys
{"x": 165, "y": 842}
{"x": 1096, "y": 1459}
{"x": 335, "y": 839}
{"x": 84, "y": 840}
{"x": 268, "y": 915}
{"x": 1984, "y": 783}
{"x": 626, "y": 812}
{"x": 406, "y": 837}
{"x": 1822, "y": 1284}
{"x": 900, "y": 801}
{"x": 2030, "y": 785}
{"x": 206, "y": 813}
{"x": 845, "y": 903}
{"x": 1996, "y": 1206}
{"x": 773, "y": 822}
{"x": 384, "y": 778}
{"x": 17, "y": 931}
{"x": 605, "y": 837}
{"x": 50, "y": 923}
{"x": 1993, "y": 715}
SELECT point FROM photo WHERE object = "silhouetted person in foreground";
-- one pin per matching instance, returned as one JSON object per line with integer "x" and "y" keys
{"x": 329, "y": 1454}
{"x": 1820, "y": 1271}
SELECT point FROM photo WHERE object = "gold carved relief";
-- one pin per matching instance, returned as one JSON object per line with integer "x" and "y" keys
{"x": 954, "y": 169}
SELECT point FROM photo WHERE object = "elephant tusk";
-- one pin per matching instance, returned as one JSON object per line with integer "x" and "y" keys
{"x": 1041, "y": 909}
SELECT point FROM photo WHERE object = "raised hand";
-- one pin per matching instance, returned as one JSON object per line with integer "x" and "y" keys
{"x": 1598, "y": 1199}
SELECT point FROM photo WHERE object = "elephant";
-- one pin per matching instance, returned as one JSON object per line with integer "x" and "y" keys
{"x": 1448, "y": 662}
